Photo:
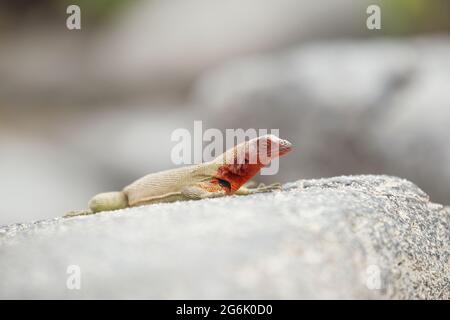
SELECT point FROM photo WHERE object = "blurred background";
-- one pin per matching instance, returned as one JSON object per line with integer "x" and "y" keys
{"x": 90, "y": 110}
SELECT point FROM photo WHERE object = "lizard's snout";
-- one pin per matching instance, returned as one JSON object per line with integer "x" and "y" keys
{"x": 285, "y": 146}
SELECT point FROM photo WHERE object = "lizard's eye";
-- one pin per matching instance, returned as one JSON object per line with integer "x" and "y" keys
{"x": 224, "y": 183}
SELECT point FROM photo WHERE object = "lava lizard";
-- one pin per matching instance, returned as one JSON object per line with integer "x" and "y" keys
{"x": 227, "y": 174}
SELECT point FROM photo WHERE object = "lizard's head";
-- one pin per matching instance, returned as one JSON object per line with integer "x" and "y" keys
{"x": 241, "y": 163}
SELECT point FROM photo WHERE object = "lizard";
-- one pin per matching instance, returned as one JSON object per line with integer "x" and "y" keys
{"x": 227, "y": 174}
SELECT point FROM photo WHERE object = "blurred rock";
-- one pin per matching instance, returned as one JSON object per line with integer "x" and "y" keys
{"x": 175, "y": 40}
{"x": 155, "y": 45}
{"x": 54, "y": 166}
{"x": 413, "y": 132}
{"x": 346, "y": 237}
{"x": 40, "y": 179}
{"x": 349, "y": 107}
{"x": 128, "y": 143}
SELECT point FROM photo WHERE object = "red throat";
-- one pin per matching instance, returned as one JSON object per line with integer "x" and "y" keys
{"x": 238, "y": 174}
{"x": 231, "y": 176}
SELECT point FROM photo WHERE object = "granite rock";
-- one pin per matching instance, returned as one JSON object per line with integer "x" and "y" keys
{"x": 351, "y": 237}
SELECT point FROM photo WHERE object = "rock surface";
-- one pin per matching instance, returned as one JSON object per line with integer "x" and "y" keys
{"x": 345, "y": 237}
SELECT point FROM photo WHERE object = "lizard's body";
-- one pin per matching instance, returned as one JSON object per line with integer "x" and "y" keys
{"x": 169, "y": 184}
{"x": 222, "y": 176}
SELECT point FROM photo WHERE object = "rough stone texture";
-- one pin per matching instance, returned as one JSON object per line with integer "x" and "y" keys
{"x": 323, "y": 238}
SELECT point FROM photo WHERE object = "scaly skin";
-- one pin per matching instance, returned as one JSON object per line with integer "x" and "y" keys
{"x": 225, "y": 175}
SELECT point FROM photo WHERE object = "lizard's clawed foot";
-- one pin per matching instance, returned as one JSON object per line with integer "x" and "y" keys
{"x": 271, "y": 187}
{"x": 260, "y": 189}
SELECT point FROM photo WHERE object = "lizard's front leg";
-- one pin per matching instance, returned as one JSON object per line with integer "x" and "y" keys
{"x": 203, "y": 191}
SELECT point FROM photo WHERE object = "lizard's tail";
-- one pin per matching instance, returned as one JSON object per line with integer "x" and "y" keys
{"x": 106, "y": 201}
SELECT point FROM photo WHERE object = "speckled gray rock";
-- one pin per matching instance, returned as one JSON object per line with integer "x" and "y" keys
{"x": 345, "y": 237}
